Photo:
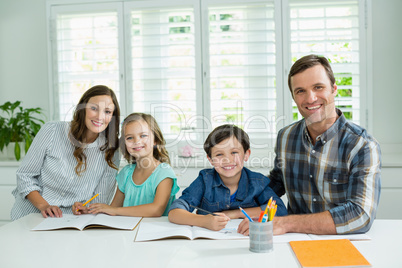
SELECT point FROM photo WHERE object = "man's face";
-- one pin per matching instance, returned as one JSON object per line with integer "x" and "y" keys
{"x": 314, "y": 95}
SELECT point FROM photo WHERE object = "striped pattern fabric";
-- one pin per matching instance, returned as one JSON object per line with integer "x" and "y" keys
{"x": 340, "y": 173}
{"x": 49, "y": 168}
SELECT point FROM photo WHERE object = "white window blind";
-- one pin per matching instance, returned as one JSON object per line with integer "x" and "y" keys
{"x": 85, "y": 53}
{"x": 330, "y": 29}
{"x": 197, "y": 64}
{"x": 242, "y": 62}
{"x": 163, "y": 65}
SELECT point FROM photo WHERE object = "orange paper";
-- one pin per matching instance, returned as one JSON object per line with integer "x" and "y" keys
{"x": 328, "y": 253}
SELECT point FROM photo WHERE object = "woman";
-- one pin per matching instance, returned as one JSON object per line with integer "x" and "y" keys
{"x": 71, "y": 161}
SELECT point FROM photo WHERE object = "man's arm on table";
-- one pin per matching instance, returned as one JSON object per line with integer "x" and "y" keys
{"x": 317, "y": 223}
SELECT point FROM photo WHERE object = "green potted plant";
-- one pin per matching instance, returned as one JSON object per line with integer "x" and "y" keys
{"x": 19, "y": 125}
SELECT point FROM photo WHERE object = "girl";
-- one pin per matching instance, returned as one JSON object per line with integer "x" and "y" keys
{"x": 71, "y": 161}
{"x": 147, "y": 186}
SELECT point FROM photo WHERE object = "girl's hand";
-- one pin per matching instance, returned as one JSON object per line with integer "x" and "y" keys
{"x": 81, "y": 209}
{"x": 216, "y": 223}
{"x": 102, "y": 208}
{"x": 51, "y": 211}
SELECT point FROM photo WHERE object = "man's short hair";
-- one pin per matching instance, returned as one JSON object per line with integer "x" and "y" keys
{"x": 224, "y": 132}
{"x": 309, "y": 61}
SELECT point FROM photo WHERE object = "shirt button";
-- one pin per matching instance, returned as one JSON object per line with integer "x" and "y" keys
{"x": 323, "y": 141}
{"x": 313, "y": 151}
{"x": 311, "y": 176}
{"x": 314, "y": 200}
{"x": 227, "y": 206}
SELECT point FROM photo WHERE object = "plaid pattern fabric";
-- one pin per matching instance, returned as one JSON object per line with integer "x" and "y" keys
{"x": 340, "y": 173}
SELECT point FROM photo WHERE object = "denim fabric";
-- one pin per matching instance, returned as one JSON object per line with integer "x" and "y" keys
{"x": 210, "y": 193}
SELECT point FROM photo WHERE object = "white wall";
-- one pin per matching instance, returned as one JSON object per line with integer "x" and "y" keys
{"x": 24, "y": 68}
{"x": 23, "y": 53}
{"x": 387, "y": 60}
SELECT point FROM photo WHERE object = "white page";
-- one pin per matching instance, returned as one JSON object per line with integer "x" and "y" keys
{"x": 157, "y": 230}
{"x": 67, "y": 221}
{"x": 285, "y": 238}
{"x": 346, "y": 236}
{"x": 119, "y": 222}
{"x": 229, "y": 232}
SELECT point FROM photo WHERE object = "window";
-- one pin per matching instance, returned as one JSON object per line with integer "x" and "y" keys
{"x": 85, "y": 52}
{"x": 197, "y": 64}
{"x": 330, "y": 29}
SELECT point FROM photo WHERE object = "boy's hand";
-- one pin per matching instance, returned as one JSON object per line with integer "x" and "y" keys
{"x": 102, "y": 208}
{"x": 216, "y": 223}
{"x": 243, "y": 227}
{"x": 232, "y": 214}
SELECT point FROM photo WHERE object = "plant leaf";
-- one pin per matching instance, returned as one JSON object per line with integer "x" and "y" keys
{"x": 17, "y": 151}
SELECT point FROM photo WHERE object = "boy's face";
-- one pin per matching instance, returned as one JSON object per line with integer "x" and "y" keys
{"x": 228, "y": 158}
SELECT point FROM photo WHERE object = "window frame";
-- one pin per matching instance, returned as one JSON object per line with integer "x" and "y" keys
{"x": 283, "y": 62}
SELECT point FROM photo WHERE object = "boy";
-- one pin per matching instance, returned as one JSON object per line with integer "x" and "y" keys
{"x": 226, "y": 187}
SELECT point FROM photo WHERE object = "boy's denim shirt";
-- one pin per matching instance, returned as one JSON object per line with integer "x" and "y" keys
{"x": 210, "y": 193}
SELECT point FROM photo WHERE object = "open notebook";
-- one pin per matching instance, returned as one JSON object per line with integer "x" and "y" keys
{"x": 82, "y": 222}
{"x": 161, "y": 228}
{"x": 286, "y": 238}
{"x": 156, "y": 230}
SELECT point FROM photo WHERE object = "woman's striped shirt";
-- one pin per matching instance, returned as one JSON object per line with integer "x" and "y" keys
{"x": 49, "y": 168}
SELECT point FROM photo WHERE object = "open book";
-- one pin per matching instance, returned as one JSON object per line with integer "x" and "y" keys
{"x": 286, "y": 238}
{"x": 163, "y": 229}
{"x": 82, "y": 222}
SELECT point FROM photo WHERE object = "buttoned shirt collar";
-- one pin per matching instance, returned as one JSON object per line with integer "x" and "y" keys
{"x": 330, "y": 132}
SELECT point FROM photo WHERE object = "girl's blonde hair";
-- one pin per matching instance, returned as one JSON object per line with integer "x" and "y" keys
{"x": 159, "y": 153}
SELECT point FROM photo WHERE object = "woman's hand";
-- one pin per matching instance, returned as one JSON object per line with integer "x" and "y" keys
{"x": 51, "y": 211}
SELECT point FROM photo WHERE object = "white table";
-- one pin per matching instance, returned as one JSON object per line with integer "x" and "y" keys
{"x": 21, "y": 247}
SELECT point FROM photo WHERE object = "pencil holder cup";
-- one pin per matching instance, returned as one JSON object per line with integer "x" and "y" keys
{"x": 261, "y": 237}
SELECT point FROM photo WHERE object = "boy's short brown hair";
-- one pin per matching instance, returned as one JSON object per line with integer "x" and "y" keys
{"x": 224, "y": 132}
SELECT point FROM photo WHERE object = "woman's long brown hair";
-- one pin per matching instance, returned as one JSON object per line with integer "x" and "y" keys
{"x": 78, "y": 128}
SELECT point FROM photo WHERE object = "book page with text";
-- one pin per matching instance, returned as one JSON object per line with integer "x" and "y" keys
{"x": 67, "y": 221}
{"x": 229, "y": 232}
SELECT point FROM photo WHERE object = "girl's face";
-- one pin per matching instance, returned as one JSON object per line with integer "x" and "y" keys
{"x": 98, "y": 114}
{"x": 139, "y": 139}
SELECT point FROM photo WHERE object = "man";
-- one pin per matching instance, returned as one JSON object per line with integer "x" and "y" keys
{"x": 330, "y": 168}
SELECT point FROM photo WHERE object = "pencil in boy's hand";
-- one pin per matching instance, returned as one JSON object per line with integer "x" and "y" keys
{"x": 86, "y": 203}
{"x": 204, "y": 210}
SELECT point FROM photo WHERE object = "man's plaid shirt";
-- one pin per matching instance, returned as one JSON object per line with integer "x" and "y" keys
{"x": 340, "y": 173}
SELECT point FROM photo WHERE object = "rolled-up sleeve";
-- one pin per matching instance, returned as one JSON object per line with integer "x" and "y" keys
{"x": 357, "y": 214}
{"x": 192, "y": 195}
{"x": 30, "y": 169}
